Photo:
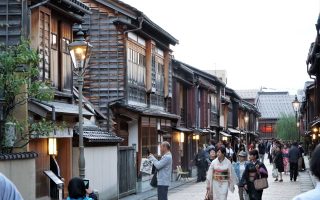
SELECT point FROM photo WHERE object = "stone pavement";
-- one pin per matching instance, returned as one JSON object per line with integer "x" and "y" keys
{"x": 276, "y": 191}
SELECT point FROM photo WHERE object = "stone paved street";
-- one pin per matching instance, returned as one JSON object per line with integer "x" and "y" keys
{"x": 276, "y": 191}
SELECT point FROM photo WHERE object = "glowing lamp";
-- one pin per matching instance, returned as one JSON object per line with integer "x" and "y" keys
{"x": 181, "y": 137}
{"x": 52, "y": 146}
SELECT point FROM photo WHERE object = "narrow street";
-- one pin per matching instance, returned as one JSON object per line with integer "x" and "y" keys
{"x": 277, "y": 191}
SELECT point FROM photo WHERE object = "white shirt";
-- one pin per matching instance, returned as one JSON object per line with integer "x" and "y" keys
{"x": 229, "y": 152}
{"x": 310, "y": 195}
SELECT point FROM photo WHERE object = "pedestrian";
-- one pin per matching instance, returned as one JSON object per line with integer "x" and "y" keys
{"x": 212, "y": 156}
{"x": 315, "y": 169}
{"x": 201, "y": 164}
{"x": 294, "y": 155}
{"x": 78, "y": 191}
{"x": 164, "y": 170}
{"x": 239, "y": 167}
{"x": 220, "y": 177}
{"x": 8, "y": 190}
{"x": 285, "y": 154}
{"x": 212, "y": 145}
{"x": 230, "y": 152}
{"x": 301, "y": 164}
{"x": 278, "y": 163}
{"x": 255, "y": 170}
{"x": 262, "y": 151}
{"x": 270, "y": 145}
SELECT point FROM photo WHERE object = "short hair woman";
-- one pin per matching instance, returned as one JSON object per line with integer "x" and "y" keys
{"x": 255, "y": 170}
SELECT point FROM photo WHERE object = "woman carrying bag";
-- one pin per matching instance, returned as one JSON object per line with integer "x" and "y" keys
{"x": 278, "y": 163}
{"x": 254, "y": 178}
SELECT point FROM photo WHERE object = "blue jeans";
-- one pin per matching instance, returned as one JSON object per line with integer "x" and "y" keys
{"x": 163, "y": 192}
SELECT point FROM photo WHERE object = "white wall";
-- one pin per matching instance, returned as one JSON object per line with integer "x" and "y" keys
{"x": 101, "y": 169}
{"x": 133, "y": 134}
{"x": 23, "y": 174}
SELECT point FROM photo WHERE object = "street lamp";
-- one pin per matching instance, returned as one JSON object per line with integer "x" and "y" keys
{"x": 296, "y": 106}
{"x": 80, "y": 51}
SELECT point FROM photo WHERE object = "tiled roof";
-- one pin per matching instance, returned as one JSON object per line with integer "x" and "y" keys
{"x": 274, "y": 104}
{"x": 92, "y": 134}
{"x": 61, "y": 107}
{"x": 18, "y": 156}
{"x": 148, "y": 111}
{"x": 248, "y": 94}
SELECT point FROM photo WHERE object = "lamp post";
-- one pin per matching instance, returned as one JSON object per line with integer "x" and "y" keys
{"x": 296, "y": 106}
{"x": 80, "y": 51}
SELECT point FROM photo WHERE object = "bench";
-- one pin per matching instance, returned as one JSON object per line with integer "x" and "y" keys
{"x": 182, "y": 174}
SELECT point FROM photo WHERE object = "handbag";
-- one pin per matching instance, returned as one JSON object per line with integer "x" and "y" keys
{"x": 275, "y": 173}
{"x": 154, "y": 180}
{"x": 261, "y": 183}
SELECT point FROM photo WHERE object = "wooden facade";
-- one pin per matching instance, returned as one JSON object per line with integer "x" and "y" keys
{"x": 196, "y": 97}
{"x": 130, "y": 74}
{"x": 48, "y": 25}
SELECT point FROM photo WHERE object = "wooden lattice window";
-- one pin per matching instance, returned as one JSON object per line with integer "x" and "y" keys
{"x": 136, "y": 72}
{"x": 157, "y": 77}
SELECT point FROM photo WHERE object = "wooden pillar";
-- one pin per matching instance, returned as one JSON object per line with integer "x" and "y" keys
{"x": 149, "y": 46}
{"x": 167, "y": 60}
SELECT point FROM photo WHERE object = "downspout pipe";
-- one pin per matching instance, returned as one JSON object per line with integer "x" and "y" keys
{"x": 140, "y": 19}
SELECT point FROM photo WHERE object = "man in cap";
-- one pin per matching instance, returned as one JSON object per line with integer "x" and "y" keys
{"x": 239, "y": 167}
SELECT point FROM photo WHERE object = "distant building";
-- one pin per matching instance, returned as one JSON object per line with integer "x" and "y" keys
{"x": 221, "y": 74}
{"x": 272, "y": 105}
{"x": 249, "y": 95}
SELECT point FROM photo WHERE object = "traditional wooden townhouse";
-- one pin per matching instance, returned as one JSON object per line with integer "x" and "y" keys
{"x": 48, "y": 25}
{"x": 229, "y": 115}
{"x": 196, "y": 97}
{"x": 307, "y": 121}
{"x": 248, "y": 118}
{"x": 129, "y": 80}
{"x": 311, "y": 105}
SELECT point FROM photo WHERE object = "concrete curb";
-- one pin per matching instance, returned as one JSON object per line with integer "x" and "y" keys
{"x": 313, "y": 179}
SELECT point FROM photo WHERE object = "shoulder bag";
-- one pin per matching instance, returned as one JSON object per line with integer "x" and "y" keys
{"x": 261, "y": 183}
{"x": 154, "y": 180}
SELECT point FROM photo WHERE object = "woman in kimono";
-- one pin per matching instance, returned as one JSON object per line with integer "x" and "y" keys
{"x": 285, "y": 154}
{"x": 220, "y": 177}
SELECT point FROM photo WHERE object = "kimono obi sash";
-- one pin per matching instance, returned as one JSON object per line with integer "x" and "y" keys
{"x": 220, "y": 175}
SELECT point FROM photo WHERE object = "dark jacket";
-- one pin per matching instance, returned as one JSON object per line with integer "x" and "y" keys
{"x": 261, "y": 148}
{"x": 294, "y": 154}
{"x": 245, "y": 177}
{"x": 278, "y": 161}
{"x": 245, "y": 180}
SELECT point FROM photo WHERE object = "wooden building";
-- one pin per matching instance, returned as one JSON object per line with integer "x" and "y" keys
{"x": 48, "y": 24}
{"x": 130, "y": 73}
{"x": 196, "y": 97}
{"x": 272, "y": 106}
{"x": 308, "y": 121}
{"x": 310, "y": 109}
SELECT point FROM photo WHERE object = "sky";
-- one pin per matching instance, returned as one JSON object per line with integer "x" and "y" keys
{"x": 261, "y": 43}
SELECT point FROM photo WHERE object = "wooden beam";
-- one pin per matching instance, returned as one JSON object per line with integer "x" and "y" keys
{"x": 167, "y": 59}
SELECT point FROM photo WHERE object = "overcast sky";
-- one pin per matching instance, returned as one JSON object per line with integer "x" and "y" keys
{"x": 259, "y": 42}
